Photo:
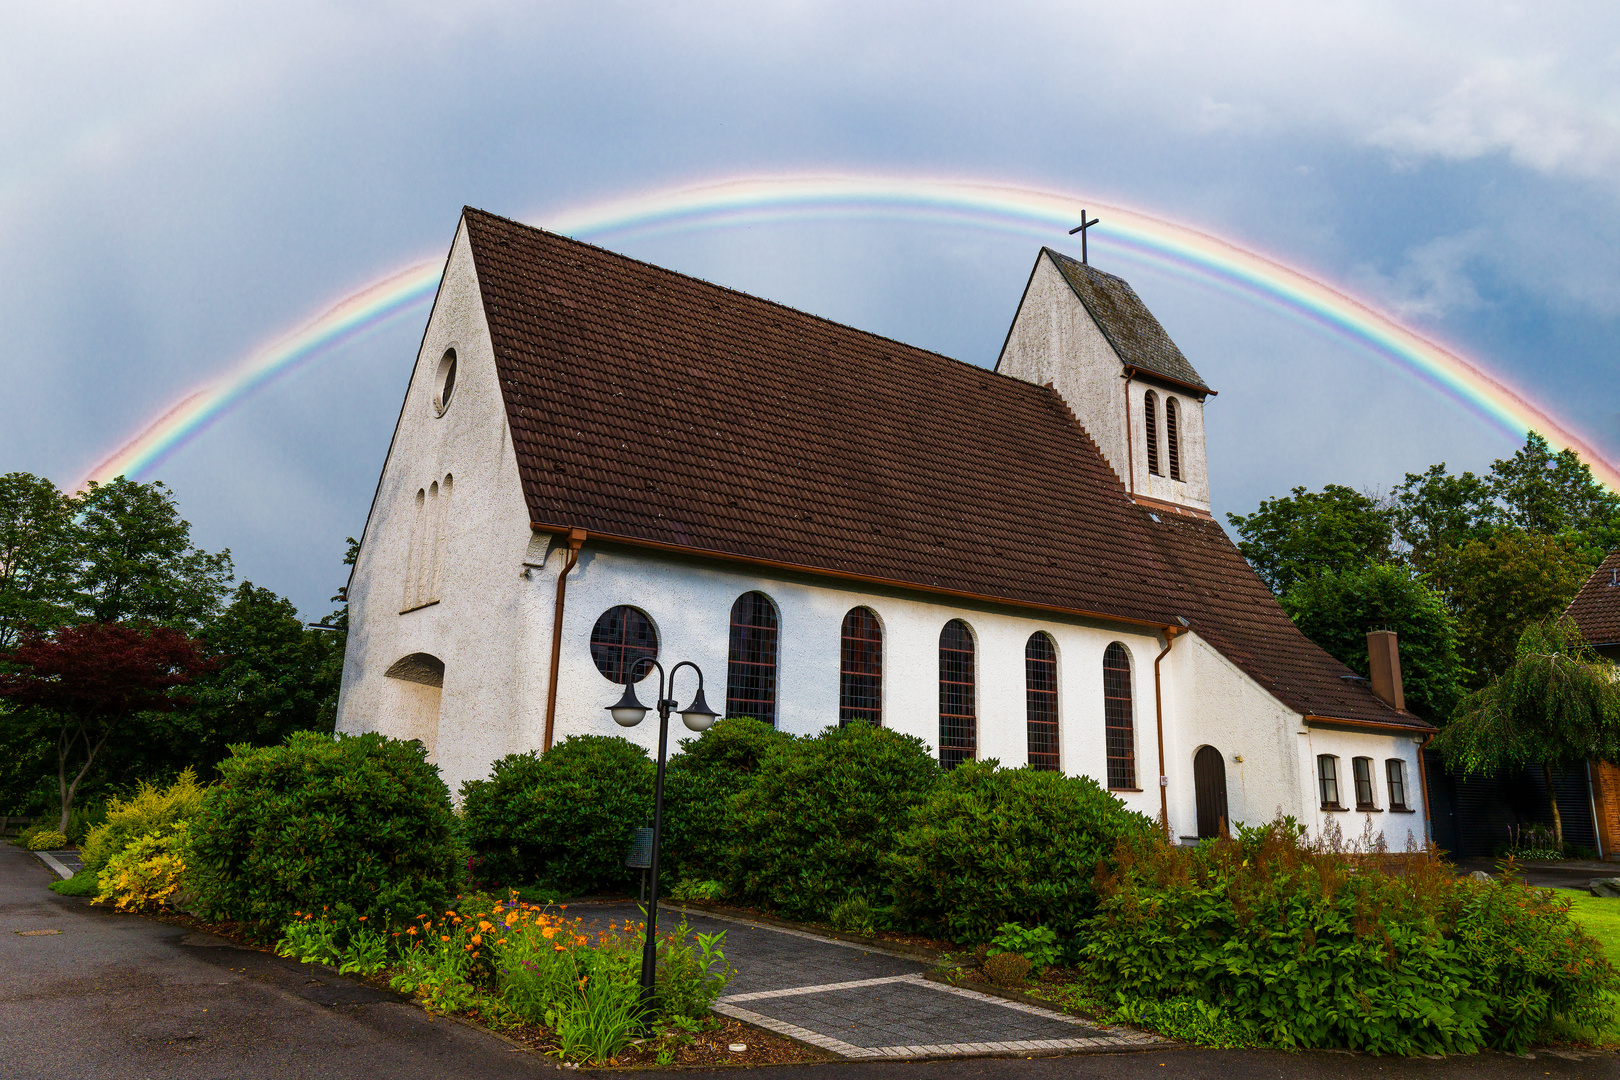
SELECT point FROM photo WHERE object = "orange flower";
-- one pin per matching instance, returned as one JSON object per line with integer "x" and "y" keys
{"x": 362, "y": 918}
{"x": 500, "y": 941}
{"x": 411, "y": 930}
{"x": 446, "y": 937}
{"x": 482, "y": 925}
{"x": 477, "y": 939}
{"x": 548, "y": 933}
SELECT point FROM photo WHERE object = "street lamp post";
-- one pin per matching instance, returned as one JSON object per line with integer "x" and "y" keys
{"x": 628, "y": 711}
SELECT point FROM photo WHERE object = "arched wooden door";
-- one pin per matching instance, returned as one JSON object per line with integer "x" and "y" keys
{"x": 1209, "y": 781}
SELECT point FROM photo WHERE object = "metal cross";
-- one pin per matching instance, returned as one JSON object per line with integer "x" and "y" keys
{"x": 1081, "y": 229}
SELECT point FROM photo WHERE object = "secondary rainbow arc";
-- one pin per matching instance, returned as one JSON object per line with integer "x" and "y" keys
{"x": 1041, "y": 214}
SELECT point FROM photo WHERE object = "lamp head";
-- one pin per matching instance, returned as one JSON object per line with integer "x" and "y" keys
{"x": 698, "y": 716}
{"x": 628, "y": 711}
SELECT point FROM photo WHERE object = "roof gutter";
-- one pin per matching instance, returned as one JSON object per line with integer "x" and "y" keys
{"x": 576, "y": 540}
{"x": 1370, "y": 725}
{"x": 1170, "y": 633}
{"x": 849, "y": 575}
{"x": 1192, "y": 388}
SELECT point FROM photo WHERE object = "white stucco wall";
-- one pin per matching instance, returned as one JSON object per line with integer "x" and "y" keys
{"x": 1397, "y": 828}
{"x": 477, "y": 626}
{"x": 1055, "y": 340}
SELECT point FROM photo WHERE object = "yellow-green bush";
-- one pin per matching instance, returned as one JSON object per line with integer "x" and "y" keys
{"x": 149, "y": 810}
{"x": 147, "y": 872}
{"x": 47, "y": 840}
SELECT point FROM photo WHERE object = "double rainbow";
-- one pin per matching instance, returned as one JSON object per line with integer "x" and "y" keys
{"x": 1041, "y": 214}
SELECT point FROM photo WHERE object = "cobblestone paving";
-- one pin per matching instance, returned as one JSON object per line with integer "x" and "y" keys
{"x": 860, "y": 1003}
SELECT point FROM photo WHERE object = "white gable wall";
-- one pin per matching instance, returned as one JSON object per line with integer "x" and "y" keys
{"x": 476, "y": 627}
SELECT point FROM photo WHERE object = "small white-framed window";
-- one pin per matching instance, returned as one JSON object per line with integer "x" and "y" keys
{"x": 1366, "y": 797}
{"x": 1327, "y": 775}
{"x": 444, "y": 382}
{"x": 1395, "y": 777}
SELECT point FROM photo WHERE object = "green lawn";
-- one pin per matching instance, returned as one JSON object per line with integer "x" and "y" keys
{"x": 1600, "y": 917}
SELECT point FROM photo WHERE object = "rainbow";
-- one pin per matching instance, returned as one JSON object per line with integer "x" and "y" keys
{"x": 1126, "y": 233}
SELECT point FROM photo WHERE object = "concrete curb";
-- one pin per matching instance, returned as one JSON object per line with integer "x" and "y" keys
{"x": 50, "y": 860}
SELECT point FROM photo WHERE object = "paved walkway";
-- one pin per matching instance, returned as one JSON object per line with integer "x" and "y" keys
{"x": 858, "y": 1002}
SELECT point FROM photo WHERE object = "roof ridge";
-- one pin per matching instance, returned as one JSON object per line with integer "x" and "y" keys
{"x": 746, "y": 295}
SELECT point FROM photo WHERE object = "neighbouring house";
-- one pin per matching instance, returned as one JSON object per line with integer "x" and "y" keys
{"x": 1596, "y": 610}
{"x": 600, "y": 461}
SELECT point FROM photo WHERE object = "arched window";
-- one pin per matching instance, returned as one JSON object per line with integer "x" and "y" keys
{"x": 413, "y": 556}
{"x": 1172, "y": 435}
{"x": 621, "y": 637}
{"x": 441, "y": 530}
{"x": 958, "y": 718}
{"x": 1150, "y": 409}
{"x": 860, "y": 669}
{"x": 424, "y": 563}
{"x": 1041, "y": 701}
{"x": 1118, "y": 723}
{"x": 751, "y": 670}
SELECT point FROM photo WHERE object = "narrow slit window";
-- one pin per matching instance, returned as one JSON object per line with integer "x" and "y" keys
{"x": 1172, "y": 435}
{"x": 958, "y": 716}
{"x": 1119, "y": 724}
{"x": 413, "y": 554}
{"x": 751, "y": 670}
{"x": 1150, "y": 410}
{"x": 860, "y": 674}
{"x": 1327, "y": 773}
{"x": 1395, "y": 775}
{"x": 440, "y": 538}
{"x": 1041, "y": 702}
{"x": 1362, "y": 768}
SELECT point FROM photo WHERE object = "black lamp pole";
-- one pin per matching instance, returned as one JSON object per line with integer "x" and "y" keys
{"x": 629, "y": 712}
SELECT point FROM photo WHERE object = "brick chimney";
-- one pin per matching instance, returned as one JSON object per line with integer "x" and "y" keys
{"x": 1384, "y": 663}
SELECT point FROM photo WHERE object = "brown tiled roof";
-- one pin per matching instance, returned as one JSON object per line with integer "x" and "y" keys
{"x": 1125, "y": 321}
{"x": 1596, "y": 608}
{"x": 659, "y": 409}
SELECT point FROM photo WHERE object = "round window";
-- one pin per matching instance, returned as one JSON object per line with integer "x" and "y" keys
{"x": 444, "y": 382}
{"x": 622, "y": 637}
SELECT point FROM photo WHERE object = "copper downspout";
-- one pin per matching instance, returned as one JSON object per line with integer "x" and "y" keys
{"x": 1423, "y": 779}
{"x": 1130, "y": 441}
{"x": 576, "y": 538}
{"x": 1170, "y": 633}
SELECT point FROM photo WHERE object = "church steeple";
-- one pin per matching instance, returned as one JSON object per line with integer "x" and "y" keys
{"x": 1089, "y": 336}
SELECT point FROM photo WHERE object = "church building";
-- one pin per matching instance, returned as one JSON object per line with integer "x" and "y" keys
{"x": 599, "y": 460}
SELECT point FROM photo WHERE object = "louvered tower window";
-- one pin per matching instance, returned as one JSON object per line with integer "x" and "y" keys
{"x": 1041, "y": 702}
{"x": 958, "y": 717}
{"x": 860, "y": 669}
{"x": 1172, "y": 435}
{"x": 1150, "y": 409}
{"x": 1119, "y": 725}
{"x": 751, "y": 670}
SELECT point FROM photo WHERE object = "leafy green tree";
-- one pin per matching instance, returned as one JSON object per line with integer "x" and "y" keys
{"x": 1499, "y": 586}
{"x": 1558, "y": 703}
{"x": 1556, "y": 495}
{"x": 36, "y": 555}
{"x": 136, "y": 561}
{"x": 1435, "y": 510}
{"x": 1336, "y": 609}
{"x": 1297, "y": 535}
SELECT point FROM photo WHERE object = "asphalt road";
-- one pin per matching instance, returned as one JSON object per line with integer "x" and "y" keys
{"x": 129, "y": 999}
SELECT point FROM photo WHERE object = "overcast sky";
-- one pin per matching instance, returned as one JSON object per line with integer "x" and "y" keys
{"x": 180, "y": 182}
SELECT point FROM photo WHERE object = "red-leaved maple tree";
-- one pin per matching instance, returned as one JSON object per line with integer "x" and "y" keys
{"x": 88, "y": 679}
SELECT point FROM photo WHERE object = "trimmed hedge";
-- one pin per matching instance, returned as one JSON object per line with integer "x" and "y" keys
{"x": 1311, "y": 947}
{"x": 358, "y": 823}
{"x": 563, "y": 818}
{"x": 993, "y": 846}
{"x": 814, "y": 827}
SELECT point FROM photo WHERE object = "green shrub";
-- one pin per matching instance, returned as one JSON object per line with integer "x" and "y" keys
{"x": 1037, "y": 944}
{"x": 854, "y": 915}
{"x": 47, "y": 840}
{"x": 149, "y": 810}
{"x": 822, "y": 814}
{"x": 993, "y": 845}
{"x": 693, "y": 889}
{"x": 1306, "y": 946}
{"x": 360, "y": 824}
{"x": 700, "y": 786}
{"x": 1006, "y": 969}
{"x": 563, "y": 818}
{"x": 81, "y": 884}
{"x": 146, "y": 872}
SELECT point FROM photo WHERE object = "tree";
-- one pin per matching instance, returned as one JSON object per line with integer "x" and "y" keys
{"x": 1558, "y": 703}
{"x": 1435, "y": 510}
{"x": 1497, "y": 587}
{"x": 136, "y": 562}
{"x": 36, "y": 555}
{"x": 1556, "y": 495}
{"x": 85, "y": 681}
{"x": 1336, "y": 609}
{"x": 1295, "y": 536}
